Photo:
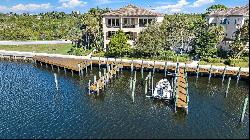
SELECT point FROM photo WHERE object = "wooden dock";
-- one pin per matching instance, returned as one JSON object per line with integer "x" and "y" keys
{"x": 68, "y": 63}
{"x": 181, "y": 90}
{"x": 164, "y": 66}
{"x": 99, "y": 85}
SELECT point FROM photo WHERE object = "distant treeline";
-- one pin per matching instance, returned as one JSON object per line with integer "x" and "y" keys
{"x": 43, "y": 26}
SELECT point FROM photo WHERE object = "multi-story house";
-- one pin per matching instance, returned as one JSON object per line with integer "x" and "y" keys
{"x": 232, "y": 19}
{"x": 131, "y": 19}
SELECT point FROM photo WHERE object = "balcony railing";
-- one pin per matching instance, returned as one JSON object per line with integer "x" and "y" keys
{"x": 112, "y": 26}
{"x": 128, "y": 25}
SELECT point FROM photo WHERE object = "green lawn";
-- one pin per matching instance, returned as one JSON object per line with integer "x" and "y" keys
{"x": 40, "y": 48}
{"x": 238, "y": 64}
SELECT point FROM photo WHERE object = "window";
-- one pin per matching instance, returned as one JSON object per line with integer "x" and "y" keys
{"x": 149, "y": 21}
{"x": 109, "y": 34}
{"x": 235, "y": 21}
{"x": 131, "y": 35}
{"x": 109, "y": 22}
{"x": 224, "y": 21}
{"x": 128, "y": 23}
{"x": 144, "y": 22}
{"x": 114, "y": 23}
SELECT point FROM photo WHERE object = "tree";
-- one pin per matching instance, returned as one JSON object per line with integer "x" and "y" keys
{"x": 175, "y": 31}
{"x": 118, "y": 45}
{"x": 241, "y": 39}
{"x": 215, "y": 7}
{"x": 244, "y": 32}
{"x": 150, "y": 41}
{"x": 207, "y": 39}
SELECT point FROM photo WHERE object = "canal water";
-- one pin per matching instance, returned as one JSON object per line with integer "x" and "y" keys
{"x": 32, "y": 107}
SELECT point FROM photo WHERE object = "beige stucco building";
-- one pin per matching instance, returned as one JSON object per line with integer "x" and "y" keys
{"x": 131, "y": 19}
{"x": 231, "y": 19}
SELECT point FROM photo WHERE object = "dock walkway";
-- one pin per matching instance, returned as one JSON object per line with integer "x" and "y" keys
{"x": 182, "y": 101}
{"x": 69, "y": 63}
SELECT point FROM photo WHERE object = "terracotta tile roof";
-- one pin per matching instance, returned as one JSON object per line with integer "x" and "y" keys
{"x": 132, "y": 10}
{"x": 236, "y": 11}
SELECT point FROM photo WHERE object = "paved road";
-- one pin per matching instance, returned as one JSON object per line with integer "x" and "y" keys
{"x": 33, "y": 42}
{"x": 169, "y": 63}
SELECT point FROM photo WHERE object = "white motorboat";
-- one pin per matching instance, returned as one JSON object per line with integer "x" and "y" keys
{"x": 163, "y": 90}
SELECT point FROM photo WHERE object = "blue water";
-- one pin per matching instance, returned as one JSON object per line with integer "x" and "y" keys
{"x": 31, "y": 107}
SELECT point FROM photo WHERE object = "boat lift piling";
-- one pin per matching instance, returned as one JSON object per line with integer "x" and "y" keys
{"x": 238, "y": 75}
{"x": 89, "y": 86}
{"x": 223, "y": 75}
{"x": 244, "y": 110}
{"x": 99, "y": 63}
{"x": 90, "y": 63}
{"x": 142, "y": 69}
{"x": 228, "y": 84}
{"x": 165, "y": 69}
{"x": 210, "y": 74}
{"x": 197, "y": 71}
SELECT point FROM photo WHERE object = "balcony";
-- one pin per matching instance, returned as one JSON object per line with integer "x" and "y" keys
{"x": 112, "y": 26}
{"x": 128, "y": 25}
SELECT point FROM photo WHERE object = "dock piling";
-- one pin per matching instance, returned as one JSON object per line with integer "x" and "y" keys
{"x": 131, "y": 82}
{"x": 210, "y": 73}
{"x": 91, "y": 64}
{"x": 58, "y": 69}
{"x": 89, "y": 86}
{"x": 154, "y": 68}
{"x": 142, "y": 69}
{"x": 244, "y": 109}
{"x": 100, "y": 74}
{"x": 132, "y": 66}
{"x": 224, "y": 72}
{"x": 56, "y": 82}
{"x": 152, "y": 88}
{"x": 197, "y": 71}
{"x": 238, "y": 75}
{"x": 146, "y": 84}
{"x": 165, "y": 69}
{"x": 94, "y": 78}
{"x": 228, "y": 84}
{"x": 99, "y": 62}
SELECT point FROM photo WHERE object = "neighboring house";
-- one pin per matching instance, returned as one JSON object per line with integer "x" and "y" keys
{"x": 232, "y": 19}
{"x": 131, "y": 19}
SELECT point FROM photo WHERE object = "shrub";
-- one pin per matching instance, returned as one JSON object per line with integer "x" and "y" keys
{"x": 203, "y": 63}
{"x": 99, "y": 54}
{"x": 235, "y": 62}
{"x": 212, "y": 60}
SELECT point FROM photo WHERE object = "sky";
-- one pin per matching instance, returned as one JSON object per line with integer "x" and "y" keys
{"x": 162, "y": 6}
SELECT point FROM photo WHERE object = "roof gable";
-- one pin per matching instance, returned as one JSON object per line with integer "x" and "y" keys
{"x": 132, "y": 10}
{"x": 236, "y": 11}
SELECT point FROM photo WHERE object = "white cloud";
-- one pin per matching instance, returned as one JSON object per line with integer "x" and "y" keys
{"x": 71, "y": 3}
{"x": 200, "y": 3}
{"x": 173, "y": 7}
{"x": 175, "y": 10}
{"x": 25, "y": 7}
{"x": 108, "y": 1}
{"x": 30, "y": 7}
{"x": 3, "y": 8}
